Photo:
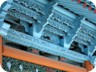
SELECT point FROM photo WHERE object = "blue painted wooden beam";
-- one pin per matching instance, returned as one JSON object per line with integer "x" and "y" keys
{"x": 44, "y": 46}
{"x": 91, "y": 48}
{"x": 3, "y": 12}
{"x": 69, "y": 38}
{"x": 4, "y": 8}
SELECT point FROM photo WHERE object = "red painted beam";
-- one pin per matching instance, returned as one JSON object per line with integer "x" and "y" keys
{"x": 90, "y": 8}
{"x": 37, "y": 59}
{"x": 79, "y": 1}
{"x": 95, "y": 11}
{"x": 84, "y": 5}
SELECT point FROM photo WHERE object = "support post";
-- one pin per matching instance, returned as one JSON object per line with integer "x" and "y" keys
{"x": 69, "y": 38}
{"x": 1, "y": 47}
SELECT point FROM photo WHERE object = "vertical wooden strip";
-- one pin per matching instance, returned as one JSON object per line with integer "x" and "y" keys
{"x": 1, "y": 50}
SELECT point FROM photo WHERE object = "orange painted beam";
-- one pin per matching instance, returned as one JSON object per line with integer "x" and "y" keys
{"x": 1, "y": 47}
{"x": 88, "y": 66}
{"x": 79, "y": 1}
{"x": 33, "y": 58}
